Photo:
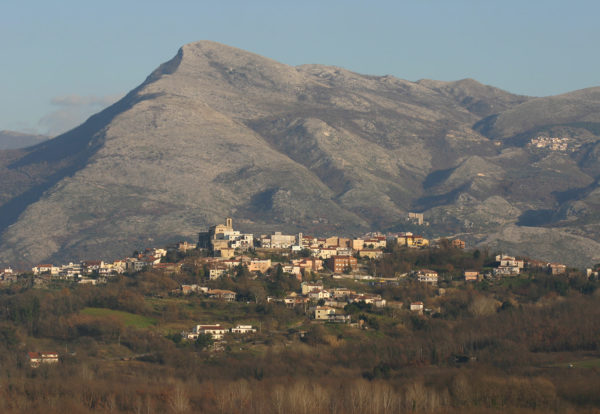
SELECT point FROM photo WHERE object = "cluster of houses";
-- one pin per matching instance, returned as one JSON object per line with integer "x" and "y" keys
{"x": 511, "y": 266}
{"x": 224, "y": 243}
{"x": 505, "y": 266}
{"x": 81, "y": 271}
{"x": 330, "y": 302}
{"x": 98, "y": 271}
{"x": 338, "y": 254}
{"x": 551, "y": 143}
{"x": 329, "y": 308}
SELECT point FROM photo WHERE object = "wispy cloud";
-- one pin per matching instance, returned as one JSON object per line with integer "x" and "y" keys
{"x": 78, "y": 100}
{"x": 72, "y": 110}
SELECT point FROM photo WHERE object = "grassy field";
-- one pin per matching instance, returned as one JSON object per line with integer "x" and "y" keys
{"x": 590, "y": 363}
{"x": 205, "y": 311}
{"x": 127, "y": 318}
{"x": 584, "y": 363}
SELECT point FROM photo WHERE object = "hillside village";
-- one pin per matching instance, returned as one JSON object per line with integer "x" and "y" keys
{"x": 222, "y": 251}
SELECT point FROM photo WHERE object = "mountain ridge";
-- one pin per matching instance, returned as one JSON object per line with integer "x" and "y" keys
{"x": 13, "y": 140}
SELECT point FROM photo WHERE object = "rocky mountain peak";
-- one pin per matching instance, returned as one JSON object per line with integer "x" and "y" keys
{"x": 218, "y": 131}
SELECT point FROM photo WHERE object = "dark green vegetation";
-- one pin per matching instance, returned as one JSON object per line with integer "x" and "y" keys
{"x": 524, "y": 344}
{"x": 218, "y": 131}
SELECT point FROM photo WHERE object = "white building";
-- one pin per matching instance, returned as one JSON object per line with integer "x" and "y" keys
{"x": 328, "y": 314}
{"x": 319, "y": 294}
{"x": 45, "y": 268}
{"x": 216, "y": 331}
{"x": 159, "y": 253}
{"x": 70, "y": 271}
{"x": 309, "y": 287}
{"x": 242, "y": 241}
{"x": 277, "y": 240}
{"x": 509, "y": 261}
{"x": 216, "y": 271}
{"x": 243, "y": 329}
{"x": 417, "y": 307}
{"x": 38, "y": 358}
{"x": 508, "y": 266}
{"x": 427, "y": 276}
{"x": 323, "y": 313}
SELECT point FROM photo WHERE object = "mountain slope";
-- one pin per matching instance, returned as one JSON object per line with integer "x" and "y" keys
{"x": 578, "y": 109}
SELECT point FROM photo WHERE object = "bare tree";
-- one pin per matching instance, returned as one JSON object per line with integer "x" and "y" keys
{"x": 179, "y": 401}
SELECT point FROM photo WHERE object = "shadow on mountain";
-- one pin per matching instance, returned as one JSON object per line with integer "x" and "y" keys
{"x": 263, "y": 201}
{"x": 437, "y": 177}
{"x": 485, "y": 126}
{"x": 578, "y": 193}
{"x": 535, "y": 218}
{"x": 440, "y": 199}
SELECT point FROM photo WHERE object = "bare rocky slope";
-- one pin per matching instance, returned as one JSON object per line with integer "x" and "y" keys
{"x": 219, "y": 131}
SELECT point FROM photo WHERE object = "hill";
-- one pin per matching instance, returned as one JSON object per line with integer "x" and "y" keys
{"x": 15, "y": 140}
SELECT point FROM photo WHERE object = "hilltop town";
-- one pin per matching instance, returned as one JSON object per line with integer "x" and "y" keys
{"x": 222, "y": 249}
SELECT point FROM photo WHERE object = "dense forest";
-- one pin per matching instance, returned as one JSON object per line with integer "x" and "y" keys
{"x": 523, "y": 344}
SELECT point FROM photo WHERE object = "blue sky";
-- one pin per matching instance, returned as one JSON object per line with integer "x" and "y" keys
{"x": 64, "y": 60}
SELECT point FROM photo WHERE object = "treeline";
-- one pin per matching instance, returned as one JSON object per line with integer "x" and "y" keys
{"x": 81, "y": 389}
{"x": 500, "y": 347}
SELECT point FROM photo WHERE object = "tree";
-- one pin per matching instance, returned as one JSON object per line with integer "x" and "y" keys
{"x": 258, "y": 291}
{"x": 278, "y": 272}
{"x": 35, "y": 315}
{"x": 204, "y": 341}
{"x": 8, "y": 336}
{"x": 305, "y": 252}
{"x": 242, "y": 272}
{"x": 444, "y": 243}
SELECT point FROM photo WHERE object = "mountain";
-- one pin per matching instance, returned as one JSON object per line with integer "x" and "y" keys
{"x": 218, "y": 131}
{"x": 15, "y": 140}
